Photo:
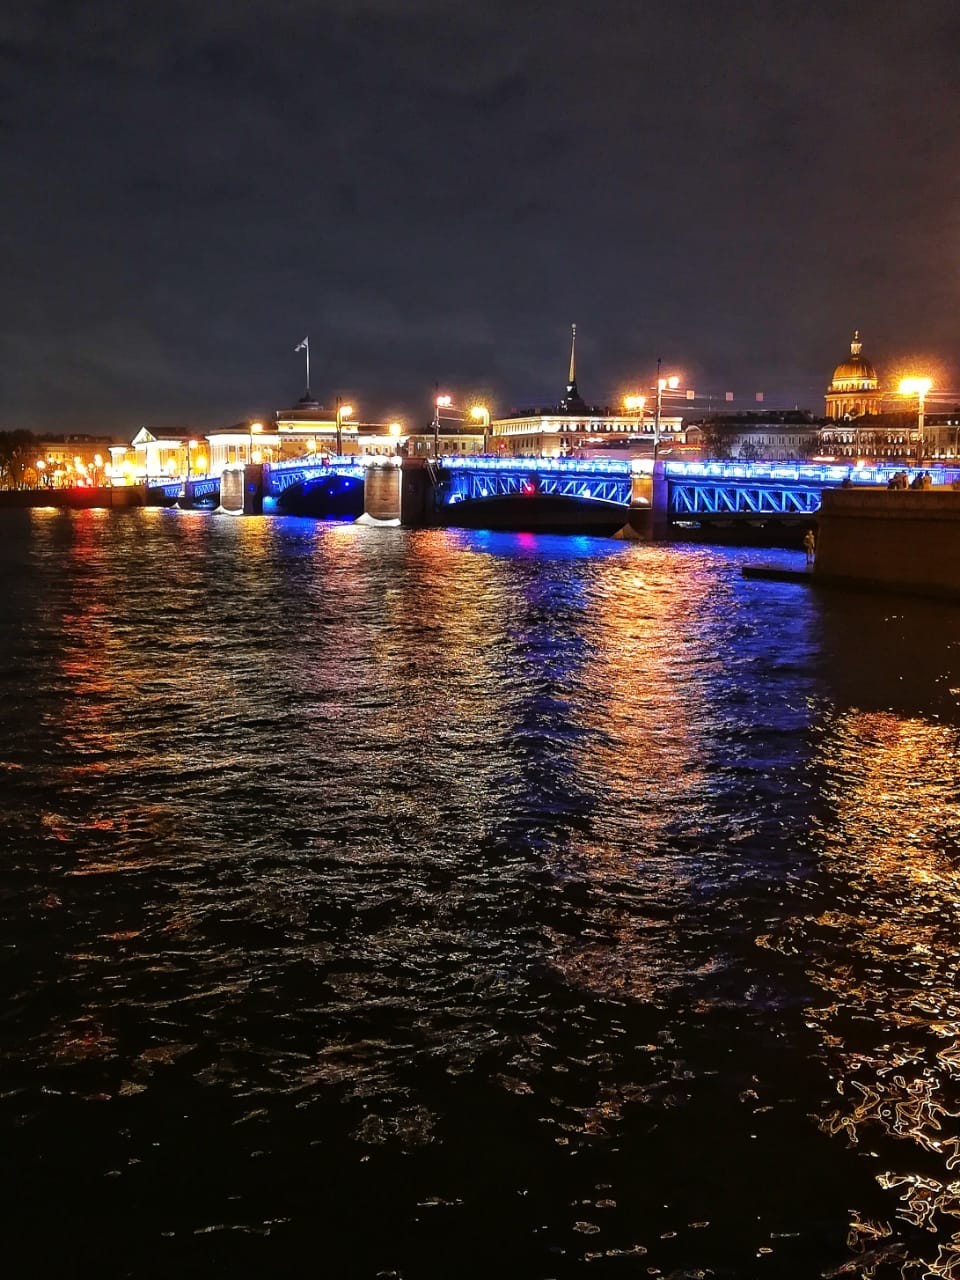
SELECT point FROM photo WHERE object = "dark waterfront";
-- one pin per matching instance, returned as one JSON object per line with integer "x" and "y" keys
{"x": 451, "y": 904}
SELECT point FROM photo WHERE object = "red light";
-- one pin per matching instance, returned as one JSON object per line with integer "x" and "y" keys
{"x": 528, "y": 487}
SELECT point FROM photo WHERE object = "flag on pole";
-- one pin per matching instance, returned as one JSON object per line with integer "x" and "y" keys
{"x": 759, "y": 396}
{"x": 691, "y": 394}
{"x": 303, "y": 346}
{"x": 728, "y": 395}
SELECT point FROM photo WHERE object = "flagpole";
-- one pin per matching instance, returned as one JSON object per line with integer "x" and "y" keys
{"x": 307, "y": 341}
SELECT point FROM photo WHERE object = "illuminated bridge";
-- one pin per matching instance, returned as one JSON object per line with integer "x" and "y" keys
{"x": 590, "y": 493}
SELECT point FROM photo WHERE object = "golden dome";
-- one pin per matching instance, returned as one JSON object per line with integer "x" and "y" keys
{"x": 856, "y": 369}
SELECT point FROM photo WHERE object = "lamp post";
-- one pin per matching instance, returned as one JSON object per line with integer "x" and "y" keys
{"x": 343, "y": 411}
{"x": 671, "y": 382}
{"x": 255, "y": 429}
{"x": 441, "y": 402}
{"x": 480, "y": 413}
{"x": 635, "y": 404}
{"x": 917, "y": 387}
{"x": 395, "y": 429}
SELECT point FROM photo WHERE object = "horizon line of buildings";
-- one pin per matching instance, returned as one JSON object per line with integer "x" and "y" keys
{"x": 856, "y": 424}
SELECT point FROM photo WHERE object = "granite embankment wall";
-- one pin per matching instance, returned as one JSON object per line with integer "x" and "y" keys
{"x": 73, "y": 499}
{"x": 894, "y": 539}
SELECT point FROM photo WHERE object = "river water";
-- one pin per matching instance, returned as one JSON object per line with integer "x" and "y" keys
{"x": 433, "y": 904}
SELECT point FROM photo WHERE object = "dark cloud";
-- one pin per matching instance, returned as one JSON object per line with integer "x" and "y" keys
{"x": 434, "y": 191}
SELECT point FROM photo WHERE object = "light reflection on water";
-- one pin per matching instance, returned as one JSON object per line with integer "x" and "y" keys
{"x": 577, "y": 899}
{"x": 883, "y": 948}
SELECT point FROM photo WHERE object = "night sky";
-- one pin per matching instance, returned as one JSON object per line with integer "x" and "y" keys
{"x": 433, "y": 190}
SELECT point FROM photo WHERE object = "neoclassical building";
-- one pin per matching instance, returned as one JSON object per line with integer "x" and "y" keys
{"x": 574, "y": 428}
{"x": 855, "y": 389}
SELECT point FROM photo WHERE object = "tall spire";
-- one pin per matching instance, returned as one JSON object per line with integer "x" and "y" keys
{"x": 856, "y": 346}
{"x": 572, "y": 393}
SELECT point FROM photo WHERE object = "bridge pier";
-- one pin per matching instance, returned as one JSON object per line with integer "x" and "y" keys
{"x": 382, "y": 490}
{"x": 417, "y": 494}
{"x": 649, "y": 518}
{"x": 241, "y": 489}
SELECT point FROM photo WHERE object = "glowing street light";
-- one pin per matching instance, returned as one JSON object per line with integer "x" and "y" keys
{"x": 480, "y": 413}
{"x": 440, "y": 402}
{"x": 255, "y": 429}
{"x": 343, "y": 411}
{"x": 635, "y": 404}
{"x": 917, "y": 387}
{"x": 671, "y": 382}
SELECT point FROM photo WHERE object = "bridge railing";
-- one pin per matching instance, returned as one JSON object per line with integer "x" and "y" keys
{"x": 573, "y": 466}
{"x": 793, "y": 472}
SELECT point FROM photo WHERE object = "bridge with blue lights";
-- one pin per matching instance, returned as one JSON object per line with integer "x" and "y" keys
{"x": 466, "y": 489}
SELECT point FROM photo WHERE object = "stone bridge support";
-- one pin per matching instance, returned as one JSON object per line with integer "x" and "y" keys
{"x": 417, "y": 496}
{"x": 649, "y": 519}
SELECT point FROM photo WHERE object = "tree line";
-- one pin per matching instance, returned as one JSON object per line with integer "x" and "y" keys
{"x": 18, "y": 453}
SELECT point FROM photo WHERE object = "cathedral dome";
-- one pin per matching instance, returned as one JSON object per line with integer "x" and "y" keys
{"x": 857, "y": 369}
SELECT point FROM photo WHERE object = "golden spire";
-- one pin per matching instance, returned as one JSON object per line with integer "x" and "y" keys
{"x": 856, "y": 346}
{"x": 573, "y": 352}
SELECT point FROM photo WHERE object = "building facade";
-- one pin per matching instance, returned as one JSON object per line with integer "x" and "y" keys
{"x": 772, "y": 436}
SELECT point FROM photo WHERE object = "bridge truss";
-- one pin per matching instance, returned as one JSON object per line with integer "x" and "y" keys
{"x": 285, "y": 475}
{"x": 696, "y": 499}
{"x": 468, "y": 480}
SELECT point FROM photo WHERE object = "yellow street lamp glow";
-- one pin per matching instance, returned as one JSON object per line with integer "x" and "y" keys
{"x": 444, "y": 402}
{"x": 480, "y": 412}
{"x": 41, "y": 465}
{"x": 633, "y": 403}
{"x": 255, "y": 427}
{"x": 395, "y": 429}
{"x": 915, "y": 386}
{"x": 346, "y": 410}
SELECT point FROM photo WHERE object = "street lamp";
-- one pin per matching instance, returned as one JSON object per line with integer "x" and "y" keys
{"x": 191, "y": 444}
{"x": 671, "y": 382}
{"x": 41, "y": 468}
{"x": 480, "y": 413}
{"x": 917, "y": 387}
{"x": 396, "y": 430}
{"x": 255, "y": 429}
{"x": 343, "y": 411}
{"x": 441, "y": 402}
{"x": 635, "y": 404}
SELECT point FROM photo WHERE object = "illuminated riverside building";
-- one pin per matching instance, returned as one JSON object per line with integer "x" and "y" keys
{"x": 68, "y": 460}
{"x": 573, "y": 428}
